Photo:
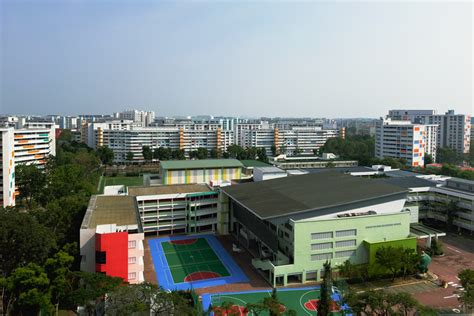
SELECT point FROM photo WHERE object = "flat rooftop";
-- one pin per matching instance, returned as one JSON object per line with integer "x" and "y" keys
{"x": 200, "y": 164}
{"x": 103, "y": 210}
{"x": 269, "y": 169}
{"x": 408, "y": 182}
{"x": 254, "y": 163}
{"x": 167, "y": 189}
{"x": 292, "y": 195}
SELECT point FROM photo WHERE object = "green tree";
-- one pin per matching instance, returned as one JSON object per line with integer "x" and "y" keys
{"x": 448, "y": 155}
{"x": 22, "y": 240}
{"x": 255, "y": 308}
{"x": 262, "y": 155}
{"x": 147, "y": 153}
{"x": 406, "y": 304}
{"x": 428, "y": 159}
{"x": 274, "y": 151}
{"x": 58, "y": 269}
{"x": 466, "y": 278}
{"x": 162, "y": 153}
{"x": 385, "y": 257}
{"x": 89, "y": 289}
{"x": 30, "y": 181}
{"x": 130, "y": 157}
{"x": 273, "y": 304}
{"x": 325, "y": 302}
{"x": 27, "y": 290}
{"x": 214, "y": 153}
{"x": 178, "y": 154}
{"x": 235, "y": 151}
{"x": 202, "y": 153}
{"x": 436, "y": 247}
{"x": 106, "y": 155}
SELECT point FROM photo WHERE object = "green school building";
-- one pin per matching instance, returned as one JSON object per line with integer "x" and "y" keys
{"x": 292, "y": 225}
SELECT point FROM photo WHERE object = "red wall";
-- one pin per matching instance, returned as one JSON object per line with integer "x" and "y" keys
{"x": 116, "y": 247}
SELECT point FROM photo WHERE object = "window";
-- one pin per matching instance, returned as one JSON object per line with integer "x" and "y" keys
{"x": 321, "y": 256}
{"x": 100, "y": 257}
{"x": 347, "y": 232}
{"x": 132, "y": 244}
{"x": 347, "y": 253}
{"x": 346, "y": 243}
{"x": 324, "y": 245}
{"x": 383, "y": 225}
{"x": 132, "y": 275}
{"x": 132, "y": 260}
{"x": 325, "y": 235}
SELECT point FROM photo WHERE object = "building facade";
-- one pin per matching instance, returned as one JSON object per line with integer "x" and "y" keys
{"x": 200, "y": 171}
{"x": 405, "y": 140}
{"x": 32, "y": 144}
{"x": 311, "y": 218}
{"x": 454, "y": 130}
{"x": 111, "y": 238}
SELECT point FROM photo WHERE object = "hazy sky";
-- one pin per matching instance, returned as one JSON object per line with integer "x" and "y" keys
{"x": 253, "y": 58}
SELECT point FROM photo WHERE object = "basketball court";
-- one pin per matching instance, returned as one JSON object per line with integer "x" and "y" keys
{"x": 187, "y": 262}
{"x": 302, "y": 300}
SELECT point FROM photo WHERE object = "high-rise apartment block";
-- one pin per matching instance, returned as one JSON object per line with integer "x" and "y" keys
{"x": 128, "y": 136}
{"x": 29, "y": 145}
{"x": 405, "y": 140}
{"x": 143, "y": 118}
{"x": 454, "y": 130}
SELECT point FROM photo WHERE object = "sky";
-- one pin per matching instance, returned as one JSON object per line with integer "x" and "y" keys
{"x": 235, "y": 58}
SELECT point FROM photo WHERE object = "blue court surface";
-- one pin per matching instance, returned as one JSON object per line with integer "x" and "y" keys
{"x": 302, "y": 300}
{"x": 186, "y": 262}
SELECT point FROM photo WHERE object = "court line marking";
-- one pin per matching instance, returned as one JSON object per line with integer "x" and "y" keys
{"x": 237, "y": 299}
{"x": 301, "y": 304}
{"x": 454, "y": 249}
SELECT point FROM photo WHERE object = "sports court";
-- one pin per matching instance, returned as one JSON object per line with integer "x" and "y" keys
{"x": 187, "y": 262}
{"x": 302, "y": 300}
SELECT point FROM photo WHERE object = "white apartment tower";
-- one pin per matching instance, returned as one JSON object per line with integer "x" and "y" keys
{"x": 143, "y": 118}
{"x": 403, "y": 139}
{"x": 30, "y": 145}
{"x": 454, "y": 130}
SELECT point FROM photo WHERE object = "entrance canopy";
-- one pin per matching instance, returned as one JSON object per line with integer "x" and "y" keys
{"x": 423, "y": 232}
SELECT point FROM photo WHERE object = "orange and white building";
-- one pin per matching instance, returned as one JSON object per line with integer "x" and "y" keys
{"x": 29, "y": 145}
{"x": 403, "y": 139}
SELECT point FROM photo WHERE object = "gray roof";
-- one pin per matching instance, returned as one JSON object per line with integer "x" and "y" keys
{"x": 339, "y": 169}
{"x": 292, "y": 195}
{"x": 408, "y": 182}
{"x": 460, "y": 180}
{"x": 400, "y": 173}
{"x": 269, "y": 169}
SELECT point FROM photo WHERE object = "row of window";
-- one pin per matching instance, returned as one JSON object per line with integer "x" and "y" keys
{"x": 329, "y": 255}
{"x": 101, "y": 258}
{"x": 329, "y": 245}
{"x": 339, "y": 233}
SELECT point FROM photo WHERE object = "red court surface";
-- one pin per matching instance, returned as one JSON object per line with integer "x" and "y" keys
{"x": 201, "y": 275}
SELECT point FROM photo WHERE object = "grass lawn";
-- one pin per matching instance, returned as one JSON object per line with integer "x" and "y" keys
{"x": 120, "y": 180}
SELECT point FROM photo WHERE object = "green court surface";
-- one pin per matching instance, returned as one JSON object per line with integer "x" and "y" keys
{"x": 192, "y": 260}
{"x": 302, "y": 301}
{"x": 120, "y": 180}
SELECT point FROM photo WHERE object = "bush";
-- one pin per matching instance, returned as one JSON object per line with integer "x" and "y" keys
{"x": 437, "y": 247}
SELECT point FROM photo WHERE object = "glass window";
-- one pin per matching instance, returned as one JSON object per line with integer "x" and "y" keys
{"x": 132, "y": 260}
{"x": 321, "y": 256}
{"x": 100, "y": 257}
{"x": 132, "y": 244}
{"x": 325, "y": 235}
{"x": 346, "y": 243}
{"x": 347, "y": 232}
{"x": 324, "y": 245}
{"x": 132, "y": 275}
